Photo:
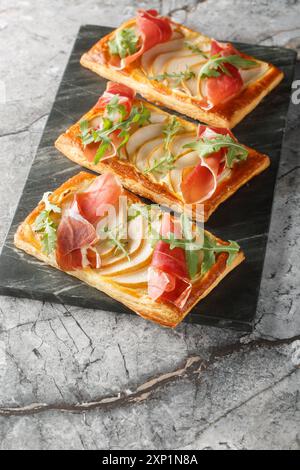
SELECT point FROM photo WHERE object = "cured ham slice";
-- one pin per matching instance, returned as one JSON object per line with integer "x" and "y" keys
{"x": 76, "y": 230}
{"x": 220, "y": 89}
{"x": 94, "y": 202}
{"x": 199, "y": 183}
{"x": 126, "y": 95}
{"x": 154, "y": 29}
{"x": 73, "y": 233}
{"x": 167, "y": 276}
{"x": 90, "y": 150}
{"x": 224, "y": 49}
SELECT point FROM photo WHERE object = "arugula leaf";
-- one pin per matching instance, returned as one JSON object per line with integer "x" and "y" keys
{"x": 115, "y": 110}
{"x": 101, "y": 152}
{"x": 205, "y": 147}
{"x": 162, "y": 166}
{"x": 124, "y": 43}
{"x": 45, "y": 225}
{"x": 216, "y": 63}
{"x": 166, "y": 163}
{"x": 195, "y": 49}
{"x": 139, "y": 115}
{"x": 177, "y": 76}
{"x": 209, "y": 247}
{"x": 234, "y": 246}
{"x": 116, "y": 238}
{"x": 170, "y": 131}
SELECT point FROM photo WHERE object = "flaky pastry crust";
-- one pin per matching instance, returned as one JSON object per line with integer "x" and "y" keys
{"x": 135, "y": 298}
{"x": 227, "y": 114}
{"x": 70, "y": 145}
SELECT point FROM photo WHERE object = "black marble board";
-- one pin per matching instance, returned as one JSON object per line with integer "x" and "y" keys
{"x": 244, "y": 218}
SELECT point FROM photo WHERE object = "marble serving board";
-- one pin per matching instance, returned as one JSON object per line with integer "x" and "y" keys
{"x": 244, "y": 218}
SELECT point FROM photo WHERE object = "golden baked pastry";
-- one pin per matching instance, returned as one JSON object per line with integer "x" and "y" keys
{"x": 159, "y": 274}
{"x": 172, "y": 65}
{"x": 159, "y": 156}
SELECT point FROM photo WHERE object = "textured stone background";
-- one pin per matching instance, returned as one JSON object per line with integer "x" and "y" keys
{"x": 117, "y": 376}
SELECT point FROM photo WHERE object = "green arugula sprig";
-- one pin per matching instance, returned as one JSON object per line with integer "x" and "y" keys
{"x": 116, "y": 238}
{"x": 209, "y": 246}
{"x": 205, "y": 147}
{"x": 166, "y": 163}
{"x": 45, "y": 226}
{"x": 216, "y": 64}
{"x": 195, "y": 49}
{"x": 124, "y": 43}
{"x": 139, "y": 115}
{"x": 114, "y": 110}
{"x": 178, "y": 77}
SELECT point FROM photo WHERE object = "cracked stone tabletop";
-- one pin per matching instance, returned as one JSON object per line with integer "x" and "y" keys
{"x": 83, "y": 379}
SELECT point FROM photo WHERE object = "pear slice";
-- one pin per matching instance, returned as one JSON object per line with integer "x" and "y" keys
{"x": 179, "y": 64}
{"x": 250, "y": 75}
{"x": 135, "y": 237}
{"x": 179, "y": 141}
{"x": 191, "y": 86}
{"x": 161, "y": 62}
{"x": 137, "y": 278}
{"x": 141, "y": 158}
{"x": 142, "y": 135}
{"x": 149, "y": 56}
{"x": 189, "y": 159}
{"x": 175, "y": 178}
{"x": 140, "y": 259}
{"x": 154, "y": 157}
{"x": 157, "y": 118}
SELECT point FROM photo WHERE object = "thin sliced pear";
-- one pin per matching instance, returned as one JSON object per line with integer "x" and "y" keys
{"x": 135, "y": 237}
{"x": 157, "y": 118}
{"x": 191, "y": 86}
{"x": 136, "y": 279}
{"x": 141, "y": 158}
{"x": 180, "y": 140}
{"x": 161, "y": 62}
{"x": 165, "y": 47}
{"x": 189, "y": 159}
{"x": 140, "y": 259}
{"x": 104, "y": 249}
{"x": 154, "y": 157}
{"x": 249, "y": 75}
{"x": 142, "y": 135}
{"x": 179, "y": 64}
{"x": 175, "y": 178}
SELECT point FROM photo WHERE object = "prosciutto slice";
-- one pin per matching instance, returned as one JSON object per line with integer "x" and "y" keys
{"x": 76, "y": 230}
{"x": 199, "y": 183}
{"x": 220, "y": 89}
{"x": 167, "y": 276}
{"x": 73, "y": 233}
{"x": 95, "y": 201}
{"x": 154, "y": 29}
{"x": 91, "y": 149}
{"x": 126, "y": 97}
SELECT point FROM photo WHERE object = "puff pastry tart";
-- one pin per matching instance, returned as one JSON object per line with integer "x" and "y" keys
{"x": 182, "y": 69}
{"x": 157, "y": 265}
{"x": 161, "y": 157}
